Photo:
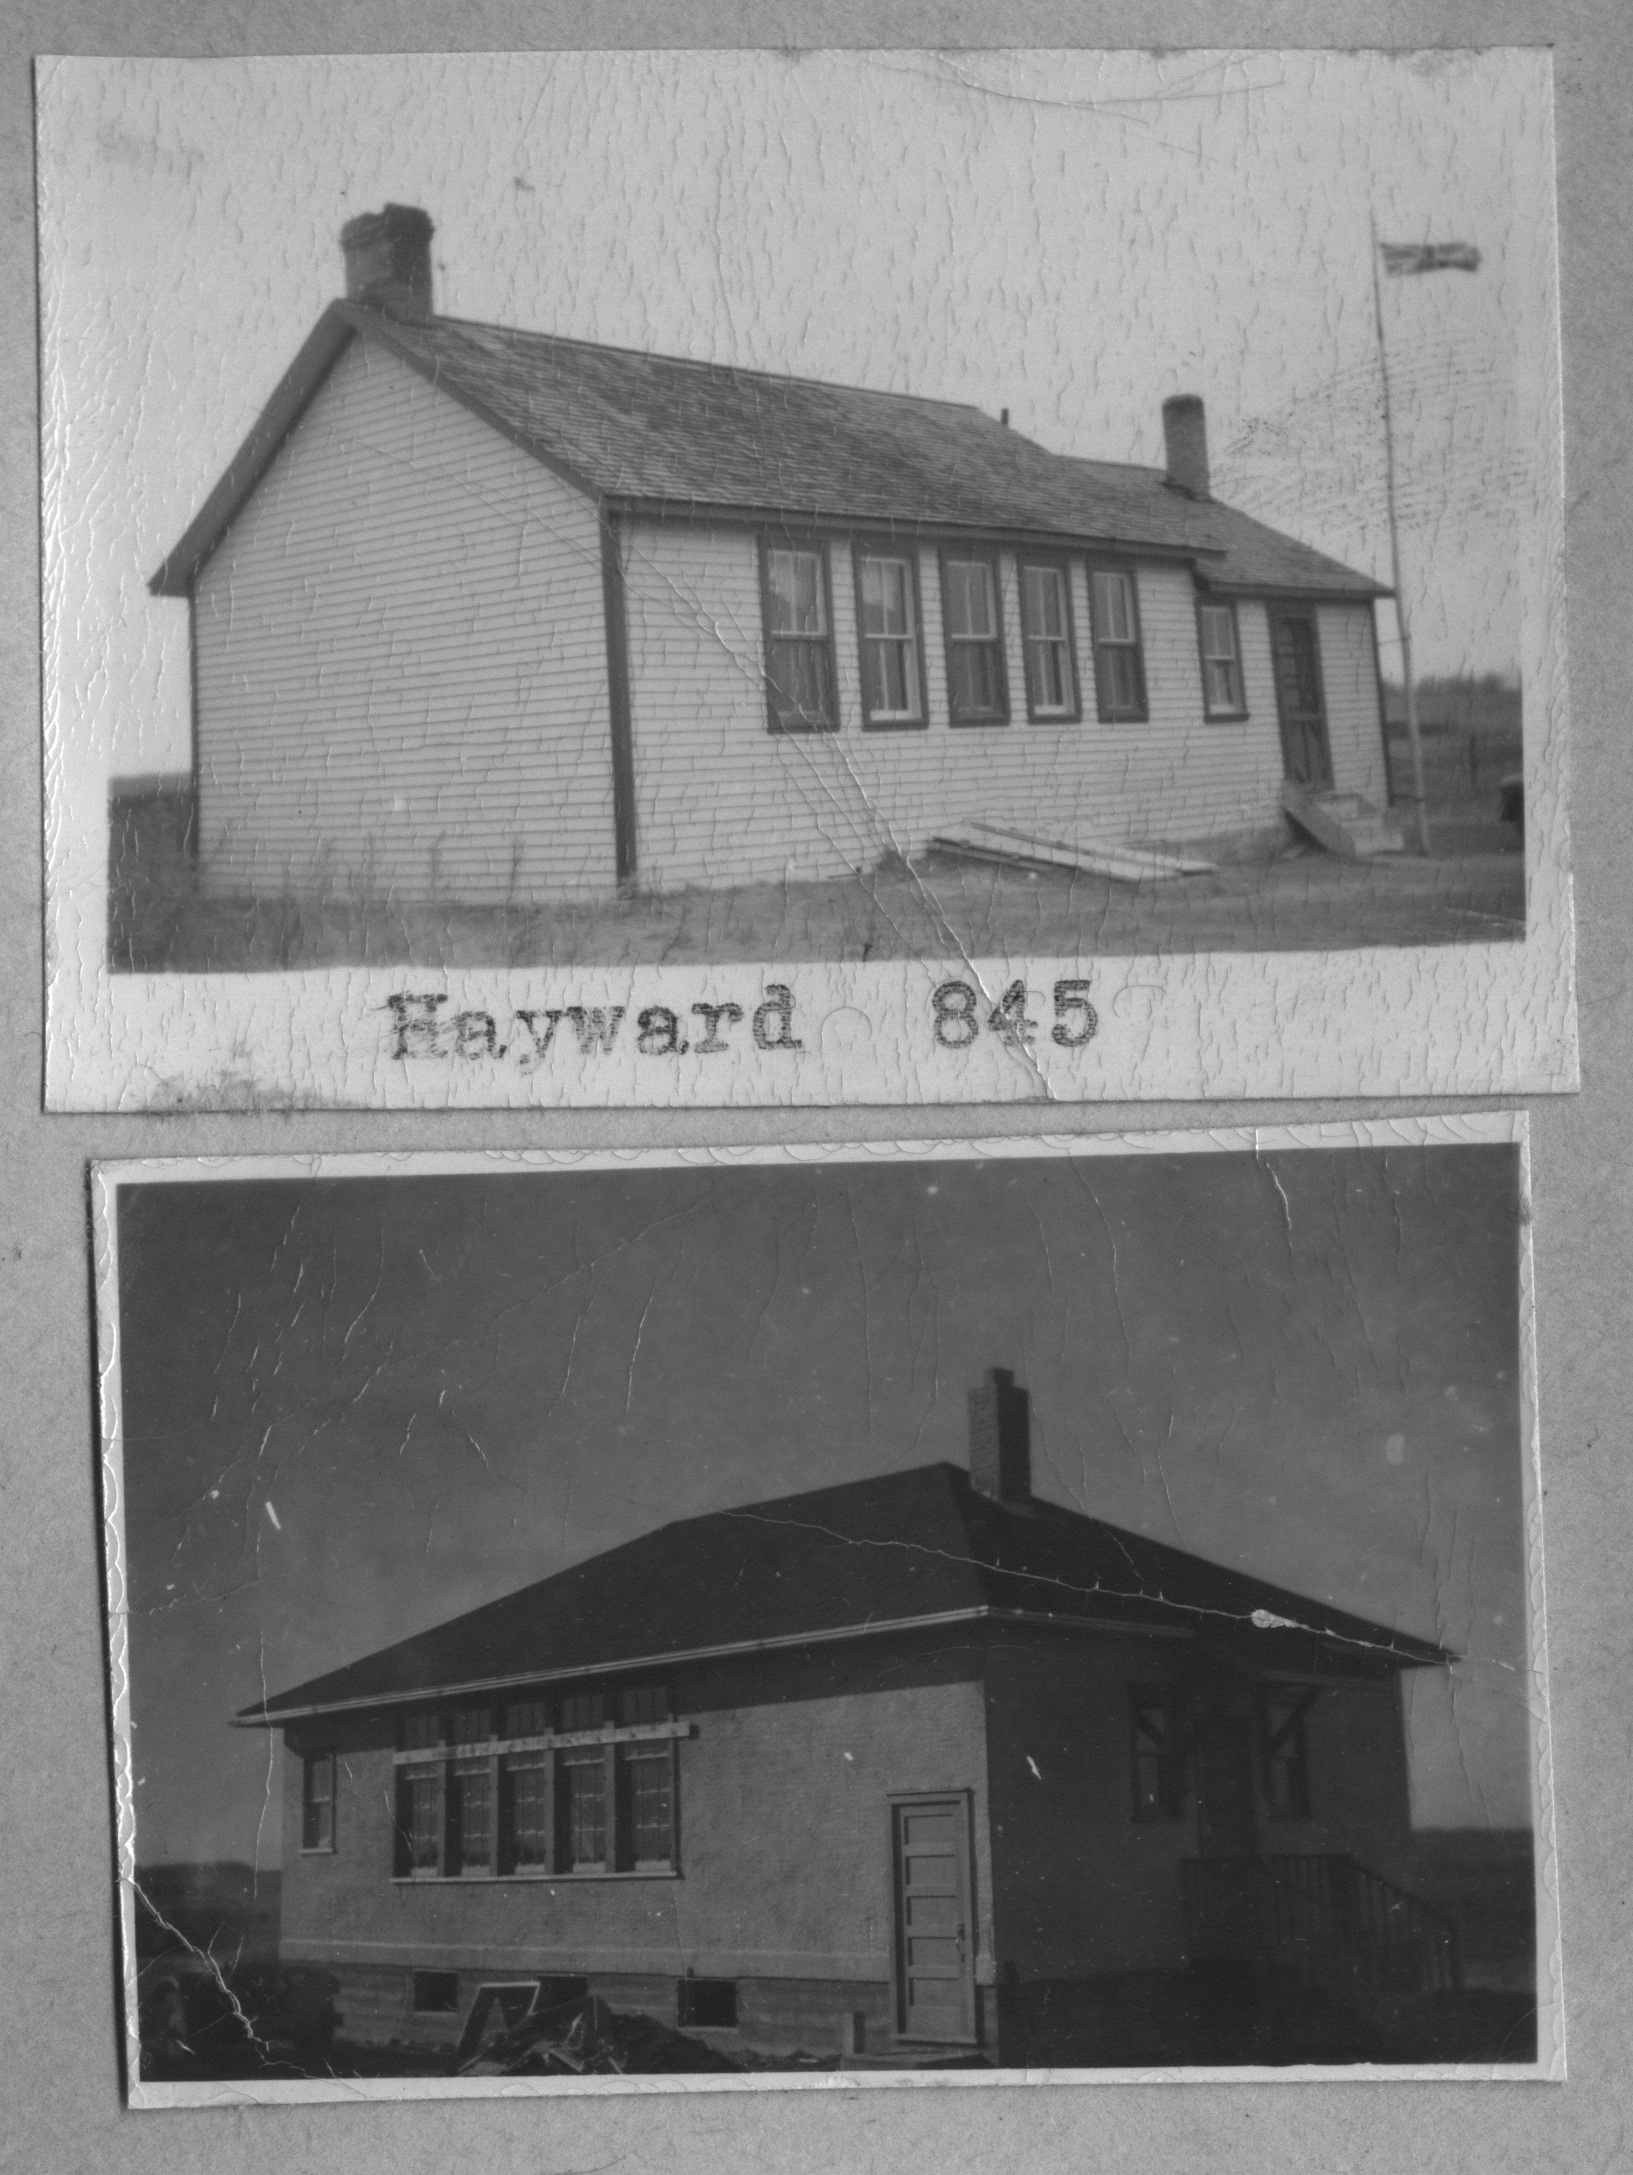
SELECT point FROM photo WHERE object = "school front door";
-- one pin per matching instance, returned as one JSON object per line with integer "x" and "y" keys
{"x": 935, "y": 1929}
{"x": 1300, "y": 707}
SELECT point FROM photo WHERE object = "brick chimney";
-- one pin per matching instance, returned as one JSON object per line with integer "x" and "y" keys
{"x": 1185, "y": 434}
{"x": 1001, "y": 1439}
{"x": 388, "y": 260}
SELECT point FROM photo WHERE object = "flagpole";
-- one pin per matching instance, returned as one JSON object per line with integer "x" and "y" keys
{"x": 1422, "y": 821}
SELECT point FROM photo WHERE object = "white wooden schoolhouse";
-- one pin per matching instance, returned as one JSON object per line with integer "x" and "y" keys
{"x": 495, "y": 616}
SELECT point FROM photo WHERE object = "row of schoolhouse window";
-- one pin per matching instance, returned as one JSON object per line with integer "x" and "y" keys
{"x": 801, "y": 680}
{"x": 1161, "y": 1755}
{"x": 549, "y": 1787}
{"x": 478, "y": 1794}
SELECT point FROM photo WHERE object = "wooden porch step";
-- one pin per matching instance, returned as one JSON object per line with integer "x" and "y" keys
{"x": 1342, "y": 823}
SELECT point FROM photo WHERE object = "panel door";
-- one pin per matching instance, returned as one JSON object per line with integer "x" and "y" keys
{"x": 1299, "y": 703}
{"x": 935, "y": 1932}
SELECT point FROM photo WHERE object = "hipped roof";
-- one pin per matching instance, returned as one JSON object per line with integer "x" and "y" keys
{"x": 902, "y": 1551}
{"x": 652, "y": 432}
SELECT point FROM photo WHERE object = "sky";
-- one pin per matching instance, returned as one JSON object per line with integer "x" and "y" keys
{"x": 1071, "y": 236}
{"x": 356, "y": 1408}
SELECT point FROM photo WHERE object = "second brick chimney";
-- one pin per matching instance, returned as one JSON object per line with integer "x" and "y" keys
{"x": 388, "y": 260}
{"x": 1001, "y": 1439}
{"x": 1185, "y": 437}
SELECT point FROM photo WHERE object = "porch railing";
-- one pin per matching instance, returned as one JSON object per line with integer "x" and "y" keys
{"x": 1327, "y": 1920}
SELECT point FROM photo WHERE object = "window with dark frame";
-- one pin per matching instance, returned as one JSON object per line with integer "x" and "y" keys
{"x": 583, "y": 1841}
{"x": 470, "y": 1817}
{"x": 647, "y": 1809}
{"x": 887, "y": 618}
{"x": 1219, "y": 640}
{"x": 1119, "y": 664}
{"x": 977, "y": 692}
{"x": 525, "y": 1799}
{"x": 1158, "y": 1756}
{"x": 1286, "y": 1762}
{"x": 419, "y": 1821}
{"x": 799, "y": 659}
{"x": 318, "y": 1801}
{"x": 1046, "y": 633}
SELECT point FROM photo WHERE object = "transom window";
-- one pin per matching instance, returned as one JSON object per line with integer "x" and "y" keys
{"x": 976, "y": 689}
{"x": 1046, "y": 629}
{"x": 1119, "y": 667}
{"x": 1222, "y": 694}
{"x": 583, "y": 1783}
{"x": 888, "y": 618}
{"x": 1159, "y": 1761}
{"x": 798, "y": 648}
{"x": 318, "y": 1801}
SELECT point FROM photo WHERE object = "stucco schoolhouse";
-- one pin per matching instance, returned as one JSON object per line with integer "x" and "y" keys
{"x": 493, "y": 616}
{"x": 883, "y": 1771}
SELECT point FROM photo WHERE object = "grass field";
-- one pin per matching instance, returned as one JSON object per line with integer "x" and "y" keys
{"x": 1471, "y": 889}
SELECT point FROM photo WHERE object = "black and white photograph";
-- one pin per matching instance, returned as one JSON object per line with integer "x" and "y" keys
{"x": 828, "y": 1617}
{"x": 734, "y": 577}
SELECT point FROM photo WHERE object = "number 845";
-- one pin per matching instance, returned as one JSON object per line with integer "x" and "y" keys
{"x": 957, "y": 1009}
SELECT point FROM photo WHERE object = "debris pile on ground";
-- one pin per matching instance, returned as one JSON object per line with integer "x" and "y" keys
{"x": 1114, "y": 858}
{"x": 580, "y": 2037}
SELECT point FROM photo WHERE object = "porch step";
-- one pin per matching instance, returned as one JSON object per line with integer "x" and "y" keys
{"x": 1342, "y": 823}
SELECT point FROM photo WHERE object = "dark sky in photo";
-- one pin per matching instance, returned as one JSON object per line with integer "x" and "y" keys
{"x": 356, "y": 1407}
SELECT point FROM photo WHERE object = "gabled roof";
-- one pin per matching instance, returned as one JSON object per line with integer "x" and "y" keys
{"x": 907, "y": 1549}
{"x": 660, "y": 433}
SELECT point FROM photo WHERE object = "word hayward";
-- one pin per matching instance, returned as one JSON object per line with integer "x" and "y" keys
{"x": 423, "y": 1026}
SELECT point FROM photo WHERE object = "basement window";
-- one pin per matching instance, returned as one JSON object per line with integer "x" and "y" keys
{"x": 1217, "y": 633}
{"x": 436, "y": 1993}
{"x": 711, "y": 2003}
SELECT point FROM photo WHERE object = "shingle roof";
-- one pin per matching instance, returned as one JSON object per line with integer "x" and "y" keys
{"x": 857, "y": 1559}
{"x": 653, "y": 430}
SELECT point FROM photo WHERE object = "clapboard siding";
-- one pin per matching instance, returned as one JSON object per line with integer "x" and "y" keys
{"x": 721, "y": 800}
{"x": 1349, "y": 671}
{"x": 400, "y": 662}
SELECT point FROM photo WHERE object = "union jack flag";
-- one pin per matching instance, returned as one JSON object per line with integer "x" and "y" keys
{"x": 1405, "y": 257}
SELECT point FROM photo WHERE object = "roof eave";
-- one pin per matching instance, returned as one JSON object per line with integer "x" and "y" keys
{"x": 1361, "y": 591}
{"x": 743, "y": 514}
{"x": 1393, "y": 1650}
{"x": 271, "y": 1716}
